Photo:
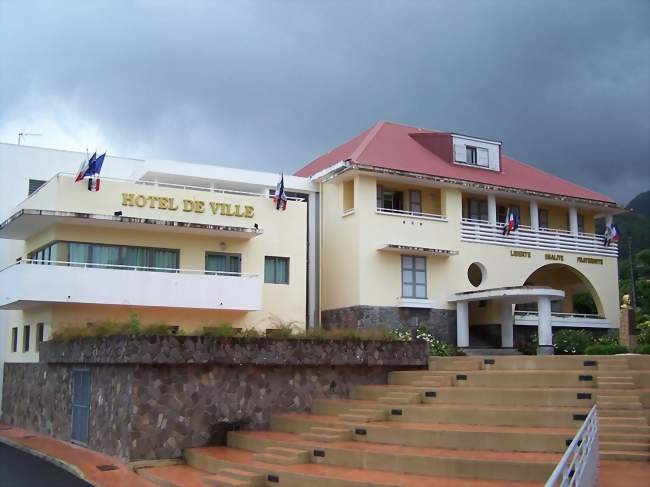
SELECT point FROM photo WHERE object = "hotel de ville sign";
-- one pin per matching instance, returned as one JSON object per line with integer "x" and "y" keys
{"x": 187, "y": 205}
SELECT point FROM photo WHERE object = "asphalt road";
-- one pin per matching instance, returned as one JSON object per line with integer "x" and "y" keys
{"x": 20, "y": 469}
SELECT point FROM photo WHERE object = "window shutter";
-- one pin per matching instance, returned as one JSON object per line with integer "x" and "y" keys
{"x": 380, "y": 196}
{"x": 460, "y": 154}
{"x": 482, "y": 157}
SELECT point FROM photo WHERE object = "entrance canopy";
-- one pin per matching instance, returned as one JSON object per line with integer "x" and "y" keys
{"x": 514, "y": 295}
{"x": 508, "y": 296}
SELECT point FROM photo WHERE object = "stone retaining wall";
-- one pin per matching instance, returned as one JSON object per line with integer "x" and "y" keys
{"x": 153, "y": 403}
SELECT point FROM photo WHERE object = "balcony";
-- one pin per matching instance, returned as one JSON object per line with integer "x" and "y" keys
{"x": 546, "y": 239}
{"x": 530, "y": 318}
{"x": 31, "y": 283}
{"x": 412, "y": 214}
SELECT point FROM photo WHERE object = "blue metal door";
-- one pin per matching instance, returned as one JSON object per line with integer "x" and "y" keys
{"x": 80, "y": 405}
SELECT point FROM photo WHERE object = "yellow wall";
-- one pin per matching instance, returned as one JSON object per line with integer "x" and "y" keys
{"x": 284, "y": 235}
{"x": 430, "y": 196}
{"x": 356, "y": 272}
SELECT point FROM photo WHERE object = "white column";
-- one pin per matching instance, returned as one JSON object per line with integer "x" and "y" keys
{"x": 573, "y": 221}
{"x": 609, "y": 219}
{"x": 507, "y": 340}
{"x": 544, "y": 328}
{"x": 534, "y": 215}
{"x": 462, "y": 324}
{"x": 492, "y": 209}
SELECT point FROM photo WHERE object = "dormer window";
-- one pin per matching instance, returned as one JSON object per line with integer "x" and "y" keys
{"x": 476, "y": 152}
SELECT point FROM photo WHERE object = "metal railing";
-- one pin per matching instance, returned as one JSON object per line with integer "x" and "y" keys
{"x": 547, "y": 239}
{"x": 531, "y": 318}
{"x": 579, "y": 464}
{"x": 92, "y": 265}
{"x": 413, "y": 214}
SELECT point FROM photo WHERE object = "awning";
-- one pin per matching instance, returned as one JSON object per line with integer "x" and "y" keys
{"x": 417, "y": 250}
{"x": 515, "y": 294}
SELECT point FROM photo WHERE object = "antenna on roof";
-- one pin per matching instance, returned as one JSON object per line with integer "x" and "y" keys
{"x": 22, "y": 135}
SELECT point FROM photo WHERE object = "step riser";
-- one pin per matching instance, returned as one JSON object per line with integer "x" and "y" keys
{"x": 468, "y": 440}
{"x": 423, "y": 465}
{"x": 624, "y": 447}
{"x": 623, "y": 437}
{"x": 625, "y": 456}
{"x": 460, "y": 395}
{"x": 254, "y": 479}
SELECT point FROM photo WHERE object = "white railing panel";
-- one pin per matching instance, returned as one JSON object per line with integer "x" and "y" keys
{"x": 28, "y": 282}
{"x": 546, "y": 239}
{"x": 579, "y": 464}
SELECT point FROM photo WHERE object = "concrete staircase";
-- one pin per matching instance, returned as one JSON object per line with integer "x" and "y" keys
{"x": 488, "y": 421}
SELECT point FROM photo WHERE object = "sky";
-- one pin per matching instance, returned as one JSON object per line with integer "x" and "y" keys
{"x": 271, "y": 85}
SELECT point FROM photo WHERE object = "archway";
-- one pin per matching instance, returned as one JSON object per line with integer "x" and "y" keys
{"x": 580, "y": 296}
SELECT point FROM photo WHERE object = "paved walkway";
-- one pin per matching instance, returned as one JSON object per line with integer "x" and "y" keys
{"x": 77, "y": 460}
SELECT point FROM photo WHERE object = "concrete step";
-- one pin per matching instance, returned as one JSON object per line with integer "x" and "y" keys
{"x": 488, "y": 415}
{"x": 493, "y": 465}
{"x": 625, "y": 437}
{"x": 415, "y": 399}
{"x": 283, "y": 455}
{"x": 623, "y": 446}
{"x": 320, "y": 437}
{"x": 448, "y": 436}
{"x": 223, "y": 481}
{"x": 624, "y": 428}
{"x": 324, "y": 434}
{"x": 604, "y": 405}
{"x": 615, "y": 385}
{"x": 212, "y": 459}
{"x": 488, "y": 395}
{"x": 582, "y": 363}
{"x": 253, "y": 479}
{"x": 409, "y": 377}
{"x": 626, "y": 456}
{"x": 454, "y": 363}
{"x": 617, "y": 413}
{"x": 623, "y": 420}
{"x": 364, "y": 415}
{"x": 182, "y": 475}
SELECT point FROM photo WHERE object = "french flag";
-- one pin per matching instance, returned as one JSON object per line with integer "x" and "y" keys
{"x": 612, "y": 234}
{"x": 85, "y": 165}
{"x": 280, "y": 197}
{"x": 93, "y": 172}
{"x": 511, "y": 223}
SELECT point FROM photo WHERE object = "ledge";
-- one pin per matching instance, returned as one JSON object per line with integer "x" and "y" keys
{"x": 168, "y": 350}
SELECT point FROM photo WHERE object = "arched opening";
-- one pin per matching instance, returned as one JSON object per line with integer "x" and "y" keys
{"x": 580, "y": 296}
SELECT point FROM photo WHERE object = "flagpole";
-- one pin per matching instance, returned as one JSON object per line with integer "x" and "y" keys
{"x": 630, "y": 257}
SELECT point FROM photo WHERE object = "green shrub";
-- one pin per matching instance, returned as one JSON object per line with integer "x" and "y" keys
{"x": 643, "y": 330}
{"x": 530, "y": 346}
{"x": 133, "y": 327}
{"x": 644, "y": 348}
{"x": 610, "y": 339}
{"x": 605, "y": 349}
{"x": 572, "y": 342}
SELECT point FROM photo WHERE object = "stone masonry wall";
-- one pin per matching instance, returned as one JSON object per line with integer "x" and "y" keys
{"x": 154, "y": 404}
{"x": 441, "y": 322}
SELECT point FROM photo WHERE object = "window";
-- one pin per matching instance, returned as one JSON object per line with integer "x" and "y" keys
{"x": 34, "y": 185}
{"x": 476, "y": 274}
{"x": 475, "y": 156}
{"x": 414, "y": 277}
{"x": 581, "y": 223}
{"x": 415, "y": 201}
{"x": 14, "y": 339}
{"x": 543, "y": 218}
{"x": 107, "y": 255}
{"x": 348, "y": 195}
{"x": 219, "y": 263}
{"x": 40, "y": 335}
{"x": 276, "y": 270}
{"x": 389, "y": 200}
{"x": 477, "y": 209}
{"x": 26, "y": 337}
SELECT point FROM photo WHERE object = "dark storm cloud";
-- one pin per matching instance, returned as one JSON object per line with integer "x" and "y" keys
{"x": 271, "y": 85}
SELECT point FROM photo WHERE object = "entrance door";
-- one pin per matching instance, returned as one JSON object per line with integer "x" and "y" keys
{"x": 80, "y": 405}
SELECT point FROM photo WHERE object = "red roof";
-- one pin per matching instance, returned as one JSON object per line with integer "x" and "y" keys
{"x": 403, "y": 148}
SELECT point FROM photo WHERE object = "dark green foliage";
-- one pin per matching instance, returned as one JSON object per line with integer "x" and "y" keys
{"x": 605, "y": 349}
{"x": 644, "y": 348}
{"x": 584, "y": 303}
{"x": 572, "y": 342}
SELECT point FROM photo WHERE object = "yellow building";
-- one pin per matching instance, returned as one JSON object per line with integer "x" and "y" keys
{"x": 165, "y": 244}
{"x": 412, "y": 233}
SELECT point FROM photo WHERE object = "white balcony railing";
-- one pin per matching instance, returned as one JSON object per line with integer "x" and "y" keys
{"x": 531, "y": 318}
{"x": 31, "y": 282}
{"x": 546, "y": 239}
{"x": 579, "y": 464}
{"x": 413, "y": 214}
